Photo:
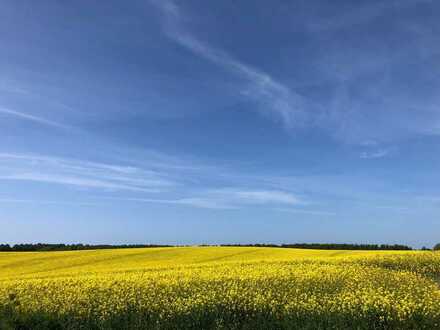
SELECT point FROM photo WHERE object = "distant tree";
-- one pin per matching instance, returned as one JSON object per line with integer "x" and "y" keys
{"x": 68, "y": 247}
{"x": 5, "y": 247}
{"x": 331, "y": 246}
{"x": 437, "y": 247}
{"x": 324, "y": 246}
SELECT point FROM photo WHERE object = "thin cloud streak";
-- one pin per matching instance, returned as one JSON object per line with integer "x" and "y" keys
{"x": 255, "y": 196}
{"x": 311, "y": 212}
{"x": 262, "y": 88}
{"x": 361, "y": 15}
{"x": 197, "y": 202}
{"x": 342, "y": 113}
{"x": 119, "y": 177}
{"x": 38, "y": 168}
{"x": 73, "y": 181}
{"x": 227, "y": 199}
{"x": 31, "y": 201}
{"x": 25, "y": 116}
{"x": 375, "y": 154}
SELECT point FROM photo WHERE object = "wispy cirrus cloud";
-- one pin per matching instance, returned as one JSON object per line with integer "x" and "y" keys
{"x": 63, "y": 171}
{"x": 381, "y": 153}
{"x": 272, "y": 95}
{"x": 311, "y": 212}
{"x": 32, "y": 118}
{"x": 45, "y": 202}
{"x": 196, "y": 186}
{"x": 198, "y": 202}
{"x": 73, "y": 181}
{"x": 228, "y": 198}
{"x": 259, "y": 196}
{"x": 360, "y": 14}
{"x": 366, "y": 96}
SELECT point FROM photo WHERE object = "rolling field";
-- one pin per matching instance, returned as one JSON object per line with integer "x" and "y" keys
{"x": 219, "y": 288}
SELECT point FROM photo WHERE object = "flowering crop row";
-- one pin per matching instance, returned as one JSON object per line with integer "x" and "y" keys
{"x": 393, "y": 291}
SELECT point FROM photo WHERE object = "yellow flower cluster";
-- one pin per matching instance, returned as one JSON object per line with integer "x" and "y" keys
{"x": 221, "y": 288}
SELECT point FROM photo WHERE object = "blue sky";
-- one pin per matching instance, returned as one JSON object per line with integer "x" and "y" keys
{"x": 187, "y": 122}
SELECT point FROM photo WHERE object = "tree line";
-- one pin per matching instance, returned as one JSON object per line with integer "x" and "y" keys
{"x": 331, "y": 246}
{"x": 70, "y": 247}
{"x": 320, "y": 246}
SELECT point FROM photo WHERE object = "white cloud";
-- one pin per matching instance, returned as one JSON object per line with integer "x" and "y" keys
{"x": 35, "y": 201}
{"x": 367, "y": 100}
{"x": 261, "y": 87}
{"x": 360, "y": 14}
{"x": 265, "y": 196}
{"x": 198, "y": 202}
{"x": 228, "y": 199}
{"x": 72, "y": 180}
{"x": 375, "y": 154}
{"x": 206, "y": 203}
{"x": 25, "y": 116}
{"x": 38, "y": 168}
{"x": 311, "y": 212}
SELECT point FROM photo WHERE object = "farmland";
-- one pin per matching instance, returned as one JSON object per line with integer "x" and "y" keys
{"x": 219, "y": 288}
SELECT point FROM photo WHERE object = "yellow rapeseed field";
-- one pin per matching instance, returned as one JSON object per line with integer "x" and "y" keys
{"x": 219, "y": 288}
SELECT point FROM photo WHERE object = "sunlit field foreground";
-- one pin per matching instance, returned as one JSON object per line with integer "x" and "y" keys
{"x": 219, "y": 288}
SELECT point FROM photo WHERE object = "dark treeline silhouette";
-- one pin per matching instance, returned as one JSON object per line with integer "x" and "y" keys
{"x": 70, "y": 247}
{"x": 73, "y": 247}
{"x": 350, "y": 246}
{"x": 332, "y": 246}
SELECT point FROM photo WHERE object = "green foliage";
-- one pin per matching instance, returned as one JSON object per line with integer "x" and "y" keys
{"x": 317, "y": 246}
{"x": 69, "y": 247}
{"x": 334, "y": 246}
